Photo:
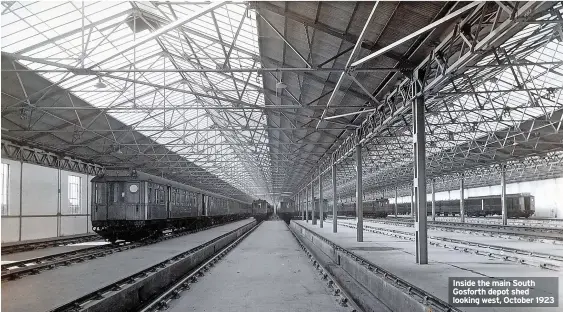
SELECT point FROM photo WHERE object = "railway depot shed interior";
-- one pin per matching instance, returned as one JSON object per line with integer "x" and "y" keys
{"x": 403, "y": 143}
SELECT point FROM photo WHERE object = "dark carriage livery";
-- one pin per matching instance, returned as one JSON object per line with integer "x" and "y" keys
{"x": 372, "y": 208}
{"x": 517, "y": 206}
{"x": 262, "y": 209}
{"x": 130, "y": 205}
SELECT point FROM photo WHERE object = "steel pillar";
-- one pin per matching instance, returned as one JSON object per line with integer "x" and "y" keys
{"x": 413, "y": 212}
{"x": 419, "y": 181}
{"x": 359, "y": 196}
{"x": 334, "y": 201}
{"x": 461, "y": 201}
{"x": 303, "y": 207}
{"x": 396, "y": 201}
{"x": 321, "y": 208}
{"x": 503, "y": 196}
{"x": 307, "y": 202}
{"x": 433, "y": 200}
{"x": 313, "y": 219}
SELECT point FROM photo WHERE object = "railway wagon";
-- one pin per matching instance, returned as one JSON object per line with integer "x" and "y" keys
{"x": 373, "y": 208}
{"x": 517, "y": 206}
{"x": 261, "y": 209}
{"x": 287, "y": 211}
{"x": 131, "y": 205}
{"x": 317, "y": 211}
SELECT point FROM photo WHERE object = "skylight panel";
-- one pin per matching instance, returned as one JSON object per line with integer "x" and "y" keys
{"x": 42, "y": 22}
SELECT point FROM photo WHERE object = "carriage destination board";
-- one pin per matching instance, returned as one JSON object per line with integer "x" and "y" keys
{"x": 504, "y": 292}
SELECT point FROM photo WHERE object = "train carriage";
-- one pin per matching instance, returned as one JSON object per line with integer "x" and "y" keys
{"x": 132, "y": 205}
{"x": 517, "y": 206}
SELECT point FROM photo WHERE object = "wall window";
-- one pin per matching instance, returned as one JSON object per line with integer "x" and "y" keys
{"x": 5, "y": 178}
{"x": 74, "y": 194}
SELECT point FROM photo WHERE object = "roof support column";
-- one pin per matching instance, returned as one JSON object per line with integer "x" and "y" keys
{"x": 334, "y": 200}
{"x": 419, "y": 181}
{"x": 396, "y": 197}
{"x": 307, "y": 202}
{"x": 298, "y": 204}
{"x": 302, "y": 206}
{"x": 359, "y": 197}
{"x": 503, "y": 195}
{"x": 313, "y": 220}
{"x": 321, "y": 203}
{"x": 433, "y": 200}
{"x": 412, "y": 202}
{"x": 461, "y": 201}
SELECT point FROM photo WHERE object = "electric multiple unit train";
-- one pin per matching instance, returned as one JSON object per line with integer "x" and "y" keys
{"x": 130, "y": 205}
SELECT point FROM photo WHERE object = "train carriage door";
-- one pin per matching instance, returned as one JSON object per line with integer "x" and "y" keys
{"x": 132, "y": 201}
{"x": 100, "y": 200}
{"x": 169, "y": 200}
{"x": 203, "y": 205}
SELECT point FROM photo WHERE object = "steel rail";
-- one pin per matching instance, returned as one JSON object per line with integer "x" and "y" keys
{"x": 10, "y": 249}
{"x": 163, "y": 300}
{"x": 35, "y": 266}
{"x": 435, "y": 303}
{"x": 332, "y": 283}
{"x": 548, "y": 239}
{"x": 87, "y": 301}
{"x": 505, "y": 229}
{"x": 517, "y": 255}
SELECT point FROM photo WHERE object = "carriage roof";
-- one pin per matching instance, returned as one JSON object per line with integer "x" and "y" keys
{"x": 126, "y": 175}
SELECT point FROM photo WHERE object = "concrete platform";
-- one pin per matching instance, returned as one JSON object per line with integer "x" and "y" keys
{"x": 539, "y": 247}
{"x": 398, "y": 257}
{"x": 24, "y": 255}
{"x": 55, "y": 287}
{"x": 266, "y": 272}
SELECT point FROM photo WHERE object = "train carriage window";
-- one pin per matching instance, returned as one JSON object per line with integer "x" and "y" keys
{"x": 116, "y": 192}
{"x": 101, "y": 193}
{"x": 150, "y": 194}
{"x": 161, "y": 199}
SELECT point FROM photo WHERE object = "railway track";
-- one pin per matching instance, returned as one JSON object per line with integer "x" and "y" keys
{"x": 541, "y": 222}
{"x": 546, "y": 235}
{"x": 153, "y": 288}
{"x": 433, "y": 302}
{"x": 542, "y": 260}
{"x": 163, "y": 301}
{"x": 40, "y": 244}
{"x": 33, "y": 266}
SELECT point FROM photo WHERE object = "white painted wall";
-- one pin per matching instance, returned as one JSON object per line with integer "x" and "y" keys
{"x": 548, "y": 195}
{"x": 42, "y": 211}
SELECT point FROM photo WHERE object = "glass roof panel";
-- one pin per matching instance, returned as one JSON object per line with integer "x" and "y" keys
{"x": 150, "y": 91}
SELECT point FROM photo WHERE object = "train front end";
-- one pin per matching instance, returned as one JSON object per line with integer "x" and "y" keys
{"x": 118, "y": 207}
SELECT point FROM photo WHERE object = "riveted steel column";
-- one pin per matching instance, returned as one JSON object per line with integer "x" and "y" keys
{"x": 307, "y": 204}
{"x": 302, "y": 206}
{"x": 433, "y": 200}
{"x": 321, "y": 208}
{"x": 461, "y": 201}
{"x": 396, "y": 201}
{"x": 419, "y": 181}
{"x": 359, "y": 196}
{"x": 334, "y": 201}
{"x": 413, "y": 212}
{"x": 313, "y": 219}
{"x": 503, "y": 196}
